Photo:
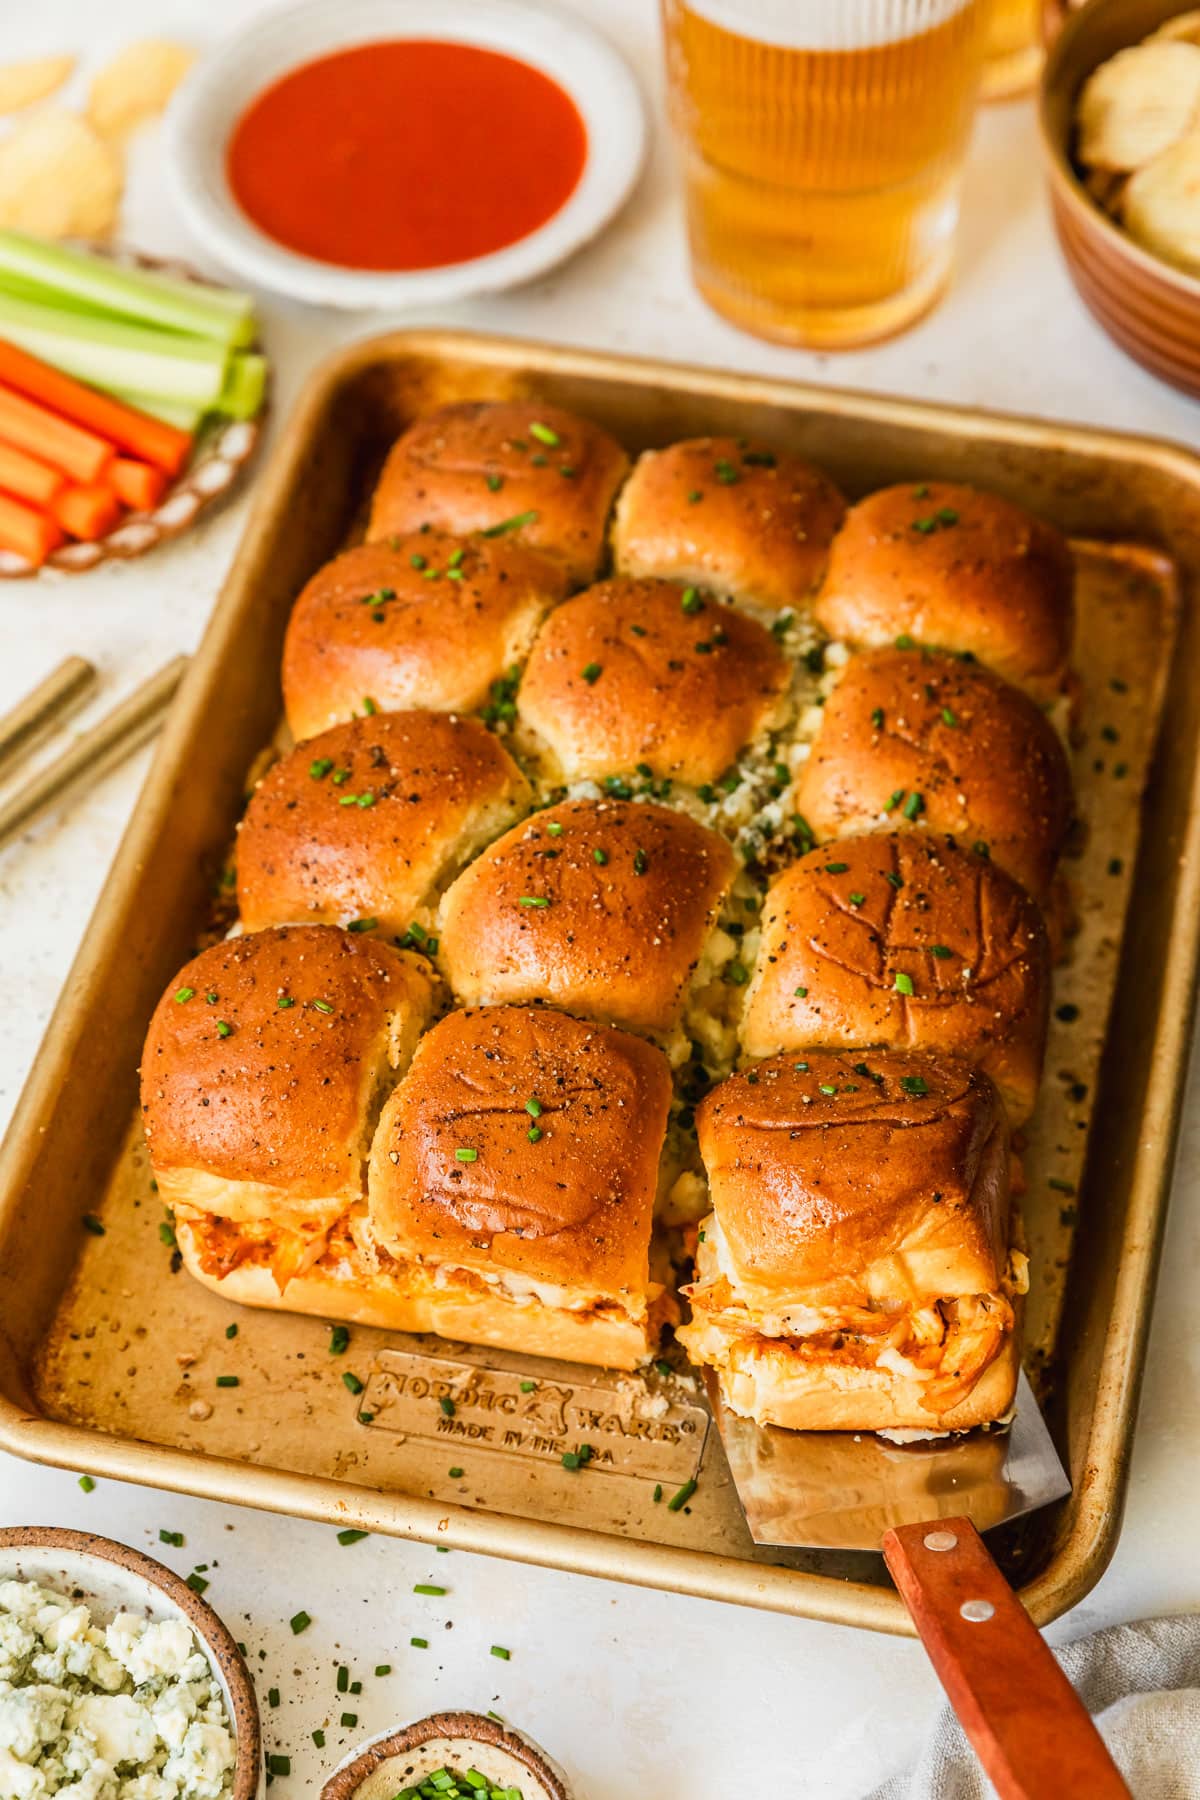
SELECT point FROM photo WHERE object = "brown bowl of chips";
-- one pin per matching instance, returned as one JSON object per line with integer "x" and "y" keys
{"x": 1120, "y": 124}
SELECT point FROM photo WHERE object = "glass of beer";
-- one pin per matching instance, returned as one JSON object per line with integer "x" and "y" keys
{"x": 823, "y": 143}
{"x": 1012, "y": 47}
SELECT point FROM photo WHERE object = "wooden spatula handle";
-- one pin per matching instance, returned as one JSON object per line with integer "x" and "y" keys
{"x": 1027, "y": 1725}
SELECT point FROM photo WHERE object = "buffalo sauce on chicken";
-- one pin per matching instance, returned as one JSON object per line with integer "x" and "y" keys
{"x": 410, "y": 154}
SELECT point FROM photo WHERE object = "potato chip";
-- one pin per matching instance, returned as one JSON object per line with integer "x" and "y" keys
{"x": 1185, "y": 26}
{"x": 1138, "y": 104}
{"x": 137, "y": 84}
{"x": 58, "y": 179}
{"x": 1161, "y": 205}
{"x": 21, "y": 83}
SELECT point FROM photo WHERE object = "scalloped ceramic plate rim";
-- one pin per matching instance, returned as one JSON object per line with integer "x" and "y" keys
{"x": 211, "y": 99}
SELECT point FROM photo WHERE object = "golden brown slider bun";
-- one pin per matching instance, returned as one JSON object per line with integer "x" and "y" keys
{"x": 524, "y": 1146}
{"x": 429, "y": 621}
{"x": 630, "y": 893}
{"x": 842, "y": 925}
{"x": 918, "y": 737}
{"x": 265, "y": 1066}
{"x": 948, "y": 565}
{"x": 370, "y": 820}
{"x": 648, "y": 672}
{"x": 723, "y": 513}
{"x": 530, "y": 472}
{"x": 818, "y": 1385}
{"x": 843, "y": 1188}
{"x": 349, "y": 1276}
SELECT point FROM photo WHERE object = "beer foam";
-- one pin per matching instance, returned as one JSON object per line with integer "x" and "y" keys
{"x": 826, "y": 24}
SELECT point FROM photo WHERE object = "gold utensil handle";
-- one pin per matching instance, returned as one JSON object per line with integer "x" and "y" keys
{"x": 63, "y": 688}
{"x": 125, "y": 729}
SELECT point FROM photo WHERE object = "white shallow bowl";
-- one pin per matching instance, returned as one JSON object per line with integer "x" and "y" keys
{"x": 214, "y": 96}
{"x": 114, "y": 1578}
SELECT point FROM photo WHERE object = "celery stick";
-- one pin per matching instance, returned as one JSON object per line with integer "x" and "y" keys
{"x": 111, "y": 354}
{"x": 245, "y": 384}
{"x": 171, "y": 412}
{"x": 100, "y": 284}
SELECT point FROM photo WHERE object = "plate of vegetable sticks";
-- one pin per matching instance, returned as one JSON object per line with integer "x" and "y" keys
{"x": 131, "y": 394}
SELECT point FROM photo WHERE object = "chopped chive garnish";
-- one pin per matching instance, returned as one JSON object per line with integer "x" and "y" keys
{"x": 836, "y": 868}
{"x": 535, "y": 1134}
{"x": 725, "y": 472}
{"x": 224, "y": 1028}
{"x": 228, "y": 1381}
{"x": 278, "y": 1764}
{"x": 339, "y": 1339}
{"x": 93, "y": 1225}
{"x": 456, "y": 1474}
{"x": 428, "y": 1587}
{"x": 949, "y": 717}
{"x": 495, "y": 483}
{"x": 196, "y": 1582}
{"x": 349, "y": 1720}
{"x": 591, "y": 672}
{"x": 528, "y": 1387}
{"x": 877, "y": 718}
{"x": 171, "y": 1537}
{"x": 533, "y": 1107}
{"x": 893, "y": 801}
{"x": 533, "y": 900}
{"x": 914, "y": 806}
{"x": 553, "y": 828}
{"x": 640, "y": 862}
{"x": 903, "y": 983}
{"x": 87, "y": 1484}
{"x": 299, "y": 1622}
{"x": 323, "y": 1006}
{"x": 600, "y": 856}
{"x": 501, "y": 1652}
{"x": 690, "y": 600}
{"x": 419, "y": 1643}
{"x": 272, "y": 1696}
{"x": 681, "y": 1498}
{"x": 184, "y": 994}
{"x": 940, "y": 950}
{"x": 735, "y": 973}
{"x": 447, "y": 1405}
{"x": 351, "y": 1382}
{"x": 383, "y": 1668}
{"x": 513, "y": 524}
{"x": 915, "y": 1085}
{"x": 891, "y": 876}
{"x": 350, "y": 1536}
{"x": 1060, "y": 1187}
{"x": 466, "y": 1153}
{"x": 801, "y": 993}
{"x": 856, "y": 899}
{"x": 544, "y": 435}
{"x": 417, "y": 561}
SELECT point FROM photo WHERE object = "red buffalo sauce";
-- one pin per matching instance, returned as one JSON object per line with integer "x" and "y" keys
{"x": 406, "y": 155}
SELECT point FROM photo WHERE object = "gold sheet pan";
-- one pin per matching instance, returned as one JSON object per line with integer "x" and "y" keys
{"x": 108, "y": 1361}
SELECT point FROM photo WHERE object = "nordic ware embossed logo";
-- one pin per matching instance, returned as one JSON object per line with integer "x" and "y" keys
{"x": 632, "y": 1429}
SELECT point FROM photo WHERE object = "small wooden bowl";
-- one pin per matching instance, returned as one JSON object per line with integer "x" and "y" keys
{"x": 1149, "y": 308}
{"x": 118, "y": 1579}
{"x": 401, "y": 1759}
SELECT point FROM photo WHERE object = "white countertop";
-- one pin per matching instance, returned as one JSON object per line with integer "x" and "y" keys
{"x": 633, "y": 1691}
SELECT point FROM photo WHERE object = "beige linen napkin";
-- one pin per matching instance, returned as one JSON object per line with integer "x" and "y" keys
{"x": 1140, "y": 1682}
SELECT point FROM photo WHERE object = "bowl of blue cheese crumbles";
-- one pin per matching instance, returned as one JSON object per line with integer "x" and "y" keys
{"x": 117, "y": 1682}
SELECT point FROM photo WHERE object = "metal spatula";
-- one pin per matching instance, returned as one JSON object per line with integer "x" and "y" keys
{"x": 923, "y": 1505}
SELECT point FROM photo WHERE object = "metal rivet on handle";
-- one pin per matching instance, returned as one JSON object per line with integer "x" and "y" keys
{"x": 940, "y": 1540}
{"x": 977, "y": 1611}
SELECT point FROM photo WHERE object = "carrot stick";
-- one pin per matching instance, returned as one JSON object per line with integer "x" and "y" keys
{"x": 27, "y": 478}
{"x": 31, "y": 534}
{"x": 87, "y": 511}
{"x": 149, "y": 438}
{"x": 28, "y": 426}
{"x": 136, "y": 483}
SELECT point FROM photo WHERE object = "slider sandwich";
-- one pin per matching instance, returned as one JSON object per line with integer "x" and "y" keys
{"x": 648, "y": 677}
{"x": 751, "y": 523}
{"x": 606, "y": 908}
{"x": 424, "y": 620}
{"x": 265, "y": 1067}
{"x": 530, "y": 473}
{"x": 948, "y": 565}
{"x": 920, "y": 739}
{"x": 512, "y": 1188}
{"x": 904, "y": 939}
{"x": 858, "y": 1271}
{"x": 366, "y": 824}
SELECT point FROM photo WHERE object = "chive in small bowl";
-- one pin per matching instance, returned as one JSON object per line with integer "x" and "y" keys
{"x": 449, "y": 1756}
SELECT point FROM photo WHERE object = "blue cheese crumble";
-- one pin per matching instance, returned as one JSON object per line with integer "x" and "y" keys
{"x": 130, "y": 1710}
